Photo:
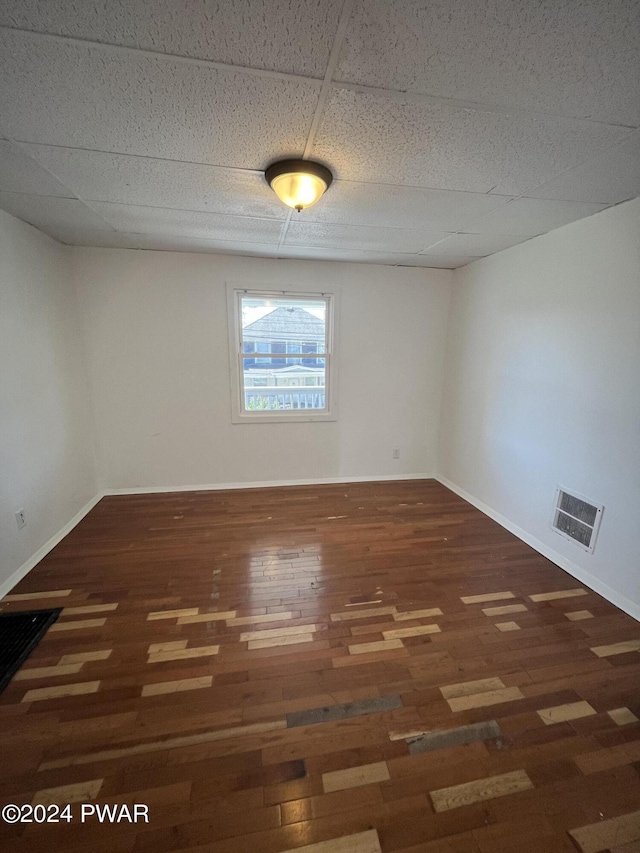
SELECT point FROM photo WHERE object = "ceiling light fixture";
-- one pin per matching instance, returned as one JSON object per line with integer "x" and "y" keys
{"x": 298, "y": 183}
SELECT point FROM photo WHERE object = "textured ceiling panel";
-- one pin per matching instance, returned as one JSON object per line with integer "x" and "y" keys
{"x": 280, "y": 35}
{"x": 357, "y": 256}
{"x": 451, "y": 259}
{"x": 68, "y": 94}
{"x": 123, "y": 240}
{"x": 188, "y": 223}
{"x": 475, "y": 245}
{"x": 391, "y": 206}
{"x": 58, "y": 217}
{"x": 19, "y": 173}
{"x": 397, "y": 141}
{"x": 124, "y": 179}
{"x": 327, "y": 236}
{"x": 532, "y": 216}
{"x": 577, "y": 58}
{"x": 609, "y": 179}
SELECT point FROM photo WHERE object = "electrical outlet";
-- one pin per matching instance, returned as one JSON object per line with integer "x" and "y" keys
{"x": 20, "y": 519}
{"x": 396, "y": 454}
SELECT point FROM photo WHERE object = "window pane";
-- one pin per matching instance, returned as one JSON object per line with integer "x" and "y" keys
{"x": 282, "y": 324}
{"x": 284, "y": 384}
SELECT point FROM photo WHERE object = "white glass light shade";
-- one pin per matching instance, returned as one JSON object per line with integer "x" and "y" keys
{"x": 298, "y": 190}
{"x": 298, "y": 183}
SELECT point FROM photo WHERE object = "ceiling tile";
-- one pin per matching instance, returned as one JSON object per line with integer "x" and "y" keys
{"x": 447, "y": 260}
{"x": 390, "y": 206}
{"x": 609, "y": 179}
{"x": 532, "y": 216}
{"x": 119, "y": 240}
{"x": 294, "y": 36}
{"x": 321, "y": 235}
{"x": 81, "y": 96}
{"x": 164, "y": 222}
{"x": 579, "y": 59}
{"x": 473, "y": 245}
{"x": 60, "y": 218}
{"x": 124, "y": 179}
{"x": 357, "y": 256}
{"x": 371, "y": 138}
{"x": 19, "y": 173}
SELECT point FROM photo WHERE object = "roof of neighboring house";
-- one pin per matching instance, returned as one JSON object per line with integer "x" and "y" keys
{"x": 283, "y": 324}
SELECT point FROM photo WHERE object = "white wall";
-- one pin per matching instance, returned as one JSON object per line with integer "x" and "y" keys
{"x": 157, "y": 348}
{"x": 543, "y": 388}
{"x": 46, "y": 451}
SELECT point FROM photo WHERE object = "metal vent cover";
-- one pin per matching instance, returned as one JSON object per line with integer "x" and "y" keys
{"x": 577, "y": 518}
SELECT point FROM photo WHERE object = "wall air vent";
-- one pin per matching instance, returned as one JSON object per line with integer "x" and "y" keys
{"x": 576, "y": 518}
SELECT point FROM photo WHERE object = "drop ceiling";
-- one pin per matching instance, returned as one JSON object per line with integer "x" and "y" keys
{"x": 454, "y": 128}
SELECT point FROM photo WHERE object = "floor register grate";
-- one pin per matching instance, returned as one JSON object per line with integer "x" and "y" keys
{"x": 20, "y": 633}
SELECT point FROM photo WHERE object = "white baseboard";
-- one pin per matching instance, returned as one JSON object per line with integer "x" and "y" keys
{"x": 33, "y": 561}
{"x": 264, "y": 484}
{"x": 560, "y": 560}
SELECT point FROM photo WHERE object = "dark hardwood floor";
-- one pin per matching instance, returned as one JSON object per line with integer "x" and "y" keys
{"x": 355, "y": 667}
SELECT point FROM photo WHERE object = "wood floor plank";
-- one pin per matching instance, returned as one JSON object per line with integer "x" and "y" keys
{"x": 489, "y": 596}
{"x": 268, "y": 633}
{"x": 259, "y": 620}
{"x": 468, "y": 688}
{"x": 418, "y": 631}
{"x": 579, "y": 615}
{"x": 40, "y": 694}
{"x": 378, "y": 646}
{"x": 623, "y": 716}
{"x": 47, "y": 671}
{"x": 183, "y": 654}
{"x": 448, "y": 738}
{"x": 172, "y": 645}
{"x": 350, "y": 615}
{"x": 344, "y": 711}
{"x": 354, "y": 777}
{"x": 361, "y": 842}
{"x": 482, "y": 700}
{"x": 617, "y": 648}
{"x": 206, "y": 617}
{"x": 171, "y": 614}
{"x": 85, "y": 657}
{"x": 80, "y": 792}
{"x": 570, "y": 711}
{"x": 507, "y": 626}
{"x": 163, "y": 745}
{"x": 88, "y": 608}
{"x": 598, "y": 837}
{"x": 427, "y": 613}
{"x": 502, "y": 610}
{"x": 78, "y": 625}
{"x": 457, "y": 796}
{"x": 32, "y": 596}
{"x": 160, "y": 687}
{"x": 563, "y": 593}
{"x": 274, "y": 642}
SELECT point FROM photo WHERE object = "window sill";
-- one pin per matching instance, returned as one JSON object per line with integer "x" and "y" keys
{"x": 280, "y": 418}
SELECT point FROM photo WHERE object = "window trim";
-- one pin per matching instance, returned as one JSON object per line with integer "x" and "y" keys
{"x": 235, "y": 291}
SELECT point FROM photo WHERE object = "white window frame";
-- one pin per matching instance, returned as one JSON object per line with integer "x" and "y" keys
{"x": 239, "y": 415}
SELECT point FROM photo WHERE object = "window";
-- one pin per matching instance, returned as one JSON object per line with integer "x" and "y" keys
{"x": 282, "y": 355}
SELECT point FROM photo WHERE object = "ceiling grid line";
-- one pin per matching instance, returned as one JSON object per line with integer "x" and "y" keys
{"x": 332, "y": 64}
{"x": 74, "y": 196}
{"x": 535, "y": 188}
{"x": 195, "y": 61}
{"x": 358, "y": 88}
